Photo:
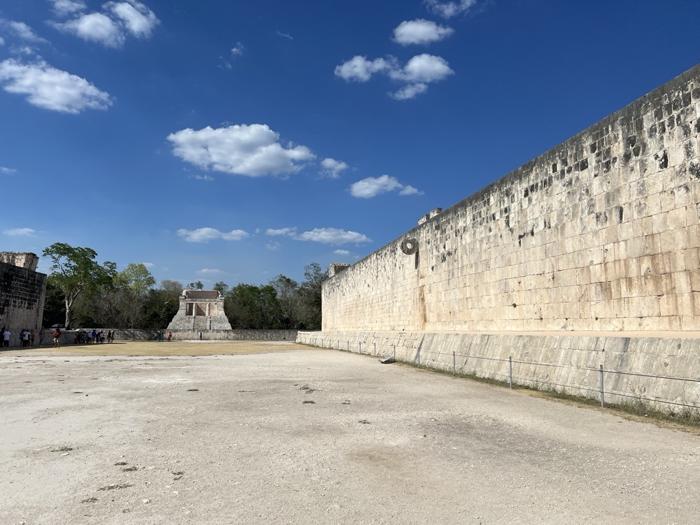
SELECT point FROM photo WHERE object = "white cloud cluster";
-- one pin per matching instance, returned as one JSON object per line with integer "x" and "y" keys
{"x": 237, "y": 50}
{"x": 373, "y": 186}
{"x": 333, "y": 169}
{"x": 342, "y": 253}
{"x": 20, "y": 232}
{"x": 67, "y": 7}
{"x": 207, "y": 234}
{"x": 450, "y": 9}
{"x": 420, "y": 31}
{"x": 20, "y": 31}
{"x": 360, "y": 69}
{"x": 416, "y": 74}
{"x": 333, "y": 236}
{"x": 49, "y": 88}
{"x": 111, "y": 26}
{"x": 252, "y": 150}
{"x": 4, "y": 170}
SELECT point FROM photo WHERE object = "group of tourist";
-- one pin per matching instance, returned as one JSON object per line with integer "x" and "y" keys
{"x": 26, "y": 337}
{"x": 93, "y": 337}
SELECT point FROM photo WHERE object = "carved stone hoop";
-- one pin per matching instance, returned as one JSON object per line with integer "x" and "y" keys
{"x": 409, "y": 246}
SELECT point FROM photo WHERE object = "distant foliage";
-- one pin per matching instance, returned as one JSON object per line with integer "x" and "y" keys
{"x": 131, "y": 299}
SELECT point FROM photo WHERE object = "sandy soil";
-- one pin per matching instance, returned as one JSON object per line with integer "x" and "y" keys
{"x": 309, "y": 436}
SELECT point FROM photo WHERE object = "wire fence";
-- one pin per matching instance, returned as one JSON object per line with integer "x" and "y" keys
{"x": 513, "y": 379}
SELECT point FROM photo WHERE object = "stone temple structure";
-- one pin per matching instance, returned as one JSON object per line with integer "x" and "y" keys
{"x": 22, "y": 293}
{"x": 200, "y": 311}
{"x": 576, "y": 259}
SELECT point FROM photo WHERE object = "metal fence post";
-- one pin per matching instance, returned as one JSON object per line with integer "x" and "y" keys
{"x": 510, "y": 371}
{"x": 394, "y": 352}
{"x": 360, "y": 344}
{"x": 375, "y": 348}
{"x": 454, "y": 363}
{"x": 602, "y": 387}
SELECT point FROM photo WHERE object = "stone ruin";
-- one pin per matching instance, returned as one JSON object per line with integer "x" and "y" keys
{"x": 22, "y": 293}
{"x": 200, "y": 311}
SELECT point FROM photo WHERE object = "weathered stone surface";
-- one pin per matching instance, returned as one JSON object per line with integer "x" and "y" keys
{"x": 199, "y": 311}
{"x": 658, "y": 372}
{"x": 22, "y": 292}
{"x": 599, "y": 233}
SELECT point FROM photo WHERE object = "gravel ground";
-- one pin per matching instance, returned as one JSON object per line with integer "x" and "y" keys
{"x": 310, "y": 436}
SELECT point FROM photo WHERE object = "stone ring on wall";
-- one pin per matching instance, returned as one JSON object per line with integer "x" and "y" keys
{"x": 409, "y": 246}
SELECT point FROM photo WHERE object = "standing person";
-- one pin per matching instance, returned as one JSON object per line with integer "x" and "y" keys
{"x": 57, "y": 337}
{"x": 170, "y": 336}
{"x": 6, "y": 336}
{"x": 31, "y": 337}
{"x": 25, "y": 338}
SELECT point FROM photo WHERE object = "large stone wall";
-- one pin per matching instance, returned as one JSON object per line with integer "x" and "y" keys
{"x": 658, "y": 372}
{"x": 599, "y": 233}
{"x": 22, "y": 293}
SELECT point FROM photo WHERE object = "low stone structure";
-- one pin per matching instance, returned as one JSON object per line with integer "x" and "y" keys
{"x": 651, "y": 371}
{"x": 22, "y": 294}
{"x": 200, "y": 311}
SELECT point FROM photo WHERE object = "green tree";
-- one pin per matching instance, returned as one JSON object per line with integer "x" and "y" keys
{"x": 310, "y": 297}
{"x": 159, "y": 308}
{"x": 287, "y": 291}
{"x": 221, "y": 287}
{"x": 171, "y": 286}
{"x": 54, "y": 305}
{"x": 253, "y": 307}
{"x": 197, "y": 285}
{"x": 75, "y": 271}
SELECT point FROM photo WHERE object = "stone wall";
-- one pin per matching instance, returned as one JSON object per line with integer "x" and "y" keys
{"x": 661, "y": 373}
{"x": 235, "y": 335}
{"x": 22, "y": 293}
{"x": 599, "y": 233}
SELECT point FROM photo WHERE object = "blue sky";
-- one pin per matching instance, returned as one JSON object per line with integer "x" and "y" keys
{"x": 236, "y": 140}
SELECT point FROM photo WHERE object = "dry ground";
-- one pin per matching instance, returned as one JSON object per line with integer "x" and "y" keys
{"x": 277, "y": 433}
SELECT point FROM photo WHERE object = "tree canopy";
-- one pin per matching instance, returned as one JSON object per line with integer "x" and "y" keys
{"x": 82, "y": 292}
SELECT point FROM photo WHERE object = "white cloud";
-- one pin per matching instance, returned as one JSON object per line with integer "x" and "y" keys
{"x": 332, "y": 168}
{"x": 138, "y": 19}
{"x": 20, "y": 232}
{"x": 237, "y": 50}
{"x": 281, "y": 232}
{"x": 205, "y": 178}
{"x": 252, "y": 150}
{"x": 94, "y": 27}
{"x": 111, "y": 26}
{"x": 373, "y": 186}
{"x": 450, "y": 9}
{"x": 21, "y": 31}
{"x": 4, "y": 170}
{"x": 343, "y": 253}
{"x": 285, "y": 35}
{"x": 410, "y": 190}
{"x": 409, "y": 91}
{"x": 211, "y": 234}
{"x": 416, "y": 74}
{"x": 148, "y": 265}
{"x": 321, "y": 235}
{"x": 273, "y": 246}
{"x": 420, "y": 31}
{"x": 360, "y": 69}
{"x": 333, "y": 236}
{"x": 50, "y": 88}
{"x": 210, "y": 271}
{"x": 2, "y": 41}
{"x": 424, "y": 68}
{"x": 67, "y": 7}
